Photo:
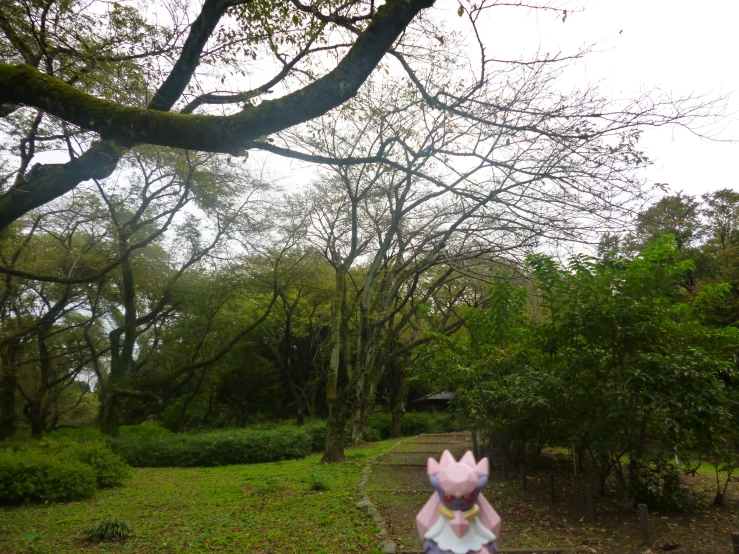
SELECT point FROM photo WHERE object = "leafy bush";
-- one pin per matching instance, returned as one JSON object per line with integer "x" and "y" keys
{"x": 379, "y": 424}
{"x": 415, "y": 423}
{"x": 109, "y": 468}
{"x": 317, "y": 431}
{"x": 56, "y": 470}
{"x": 109, "y": 530}
{"x": 378, "y": 427}
{"x": 233, "y": 446}
{"x": 318, "y": 482}
{"x": 82, "y": 434}
{"x": 143, "y": 430}
{"x": 76, "y": 434}
{"x": 372, "y": 435}
{"x": 34, "y": 474}
{"x": 658, "y": 484}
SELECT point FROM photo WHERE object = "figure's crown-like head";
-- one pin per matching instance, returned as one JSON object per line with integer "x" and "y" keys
{"x": 458, "y": 478}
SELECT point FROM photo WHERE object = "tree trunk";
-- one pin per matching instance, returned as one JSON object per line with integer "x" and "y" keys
{"x": 334, "y": 448}
{"x": 36, "y": 416}
{"x": 357, "y": 420}
{"x": 398, "y": 397}
{"x": 121, "y": 352}
{"x": 396, "y": 430}
{"x": 7, "y": 391}
{"x": 109, "y": 424}
{"x": 340, "y": 374}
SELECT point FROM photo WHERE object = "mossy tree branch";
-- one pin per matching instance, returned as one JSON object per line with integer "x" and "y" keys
{"x": 123, "y": 125}
{"x": 227, "y": 134}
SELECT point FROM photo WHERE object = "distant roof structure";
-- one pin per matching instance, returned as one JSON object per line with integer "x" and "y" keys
{"x": 443, "y": 395}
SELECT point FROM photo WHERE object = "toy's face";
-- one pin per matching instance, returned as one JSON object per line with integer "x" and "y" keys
{"x": 457, "y": 494}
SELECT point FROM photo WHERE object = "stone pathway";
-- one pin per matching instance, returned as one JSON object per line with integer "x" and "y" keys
{"x": 395, "y": 487}
{"x": 399, "y": 486}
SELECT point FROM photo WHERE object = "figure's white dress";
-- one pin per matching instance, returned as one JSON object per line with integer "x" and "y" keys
{"x": 474, "y": 539}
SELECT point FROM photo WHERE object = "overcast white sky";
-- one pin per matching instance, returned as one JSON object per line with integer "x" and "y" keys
{"x": 676, "y": 45}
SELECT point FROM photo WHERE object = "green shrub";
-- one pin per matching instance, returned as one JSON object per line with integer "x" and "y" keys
{"x": 658, "y": 484}
{"x": 109, "y": 468}
{"x": 379, "y": 424}
{"x": 317, "y": 431}
{"x": 108, "y": 530}
{"x": 58, "y": 470}
{"x": 35, "y": 474}
{"x": 233, "y": 446}
{"x": 318, "y": 482}
{"x": 378, "y": 427}
{"x": 372, "y": 435}
{"x": 78, "y": 434}
{"x": 143, "y": 430}
{"x": 415, "y": 423}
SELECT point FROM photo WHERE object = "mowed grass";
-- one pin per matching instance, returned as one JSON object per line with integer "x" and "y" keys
{"x": 261, "y": 508}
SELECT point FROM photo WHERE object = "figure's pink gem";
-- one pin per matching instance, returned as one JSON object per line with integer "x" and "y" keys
{"x": 459, "y": 524}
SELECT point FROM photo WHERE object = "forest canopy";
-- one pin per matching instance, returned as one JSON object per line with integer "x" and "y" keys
{"x": 153, "y": 270}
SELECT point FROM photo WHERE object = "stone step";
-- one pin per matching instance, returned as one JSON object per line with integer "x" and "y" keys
{"x": 425, "y": 436}
{"x": 402, "y": 491}
{"x": 440, "y": 443}
{"x": 549, "y": 550}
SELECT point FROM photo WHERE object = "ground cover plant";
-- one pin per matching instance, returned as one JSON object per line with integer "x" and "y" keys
{"x": 287, "y": 507}
{"x": 112, "y": 529}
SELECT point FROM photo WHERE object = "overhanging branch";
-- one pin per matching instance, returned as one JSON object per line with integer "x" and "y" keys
{"x": 227, "y": 134}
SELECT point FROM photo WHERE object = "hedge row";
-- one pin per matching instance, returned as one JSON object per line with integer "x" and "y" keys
{"x": 379, "y": 425}
{"x": 231, "y": 446}
{"x": 152, "y": 446}
{"x": 54, "y": 471}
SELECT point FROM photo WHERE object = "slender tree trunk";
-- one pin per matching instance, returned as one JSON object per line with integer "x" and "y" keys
{"x": 209, "y": 411}
{"x": 36, "y": 411}
{"x": 334, "y": 448}
{"x": 357, "y": 413}
{"x": 398, "y": 397}
{"x": 36, "y": 416}
{"x": 121, "y": 351}
{"x": 8, "y": 382}
{"x": 181, "y": 424}
{"x": 396, "y": 429}
{"x": 109, "y": 424}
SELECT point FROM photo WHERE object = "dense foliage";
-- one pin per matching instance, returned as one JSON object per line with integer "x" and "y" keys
{"x": 612, "y": 358}
{"x": 153, "y": 269}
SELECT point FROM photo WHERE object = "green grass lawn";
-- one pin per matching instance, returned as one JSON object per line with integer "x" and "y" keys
{"x": 261, "y": 508}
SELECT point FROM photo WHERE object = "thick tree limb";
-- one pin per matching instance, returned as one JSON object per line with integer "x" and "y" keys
{"x": 28, "y": 56}
{"x": 215, "y": 98}
{"x": 127, "y": 126}
{"x": 227, "y": 134}
{"x": 201, "y": 30}
{"x": 50, "y": 181}
{"x": 47, "y": 182}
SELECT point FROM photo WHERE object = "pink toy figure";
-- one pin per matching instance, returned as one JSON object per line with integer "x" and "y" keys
{"x": 457, "y": 519}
